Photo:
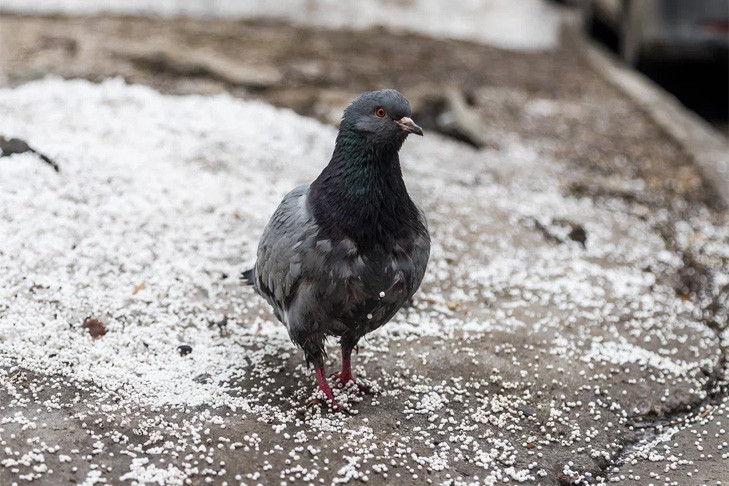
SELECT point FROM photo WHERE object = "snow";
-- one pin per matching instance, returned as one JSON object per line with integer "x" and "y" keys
{"x": 157, "y": 209}
{"x": 511, "y": 24}
{"x": 173, "y": 191}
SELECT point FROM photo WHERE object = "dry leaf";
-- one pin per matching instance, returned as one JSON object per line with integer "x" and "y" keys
{"x": 96, "y": 327}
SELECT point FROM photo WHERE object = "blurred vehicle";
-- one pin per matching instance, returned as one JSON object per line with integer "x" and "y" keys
{"x": 663, "y": 30}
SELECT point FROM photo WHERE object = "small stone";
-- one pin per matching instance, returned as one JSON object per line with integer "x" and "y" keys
{"x": 578, "y": 234}
{"x": 527, "y": 412}
{"x": 184, "y": 349}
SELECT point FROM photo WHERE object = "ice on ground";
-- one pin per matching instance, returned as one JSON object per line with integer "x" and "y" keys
{"x": 511, "y": 24}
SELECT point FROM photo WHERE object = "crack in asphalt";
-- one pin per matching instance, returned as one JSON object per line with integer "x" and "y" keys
{"x": 697, "y": 279}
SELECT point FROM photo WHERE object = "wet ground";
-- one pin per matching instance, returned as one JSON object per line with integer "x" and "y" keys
{"x": 572, "y": 327}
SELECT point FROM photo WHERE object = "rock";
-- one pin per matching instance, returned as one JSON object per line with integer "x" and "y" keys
{"x": 578, "y": 234}
{"x": 184, "y": 349}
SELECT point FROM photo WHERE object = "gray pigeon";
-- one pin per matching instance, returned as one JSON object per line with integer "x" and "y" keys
{"x": 341, "y": 256}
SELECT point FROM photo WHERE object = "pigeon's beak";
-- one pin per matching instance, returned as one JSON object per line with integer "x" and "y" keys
{"x": 409, "y": 126}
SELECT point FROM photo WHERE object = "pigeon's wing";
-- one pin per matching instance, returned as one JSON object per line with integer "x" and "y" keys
{"x": 281, "y": 250}
{"x": 421, "y": 254}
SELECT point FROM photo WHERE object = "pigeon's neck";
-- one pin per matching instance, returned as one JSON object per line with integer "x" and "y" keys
{"x": 361, "y": 194}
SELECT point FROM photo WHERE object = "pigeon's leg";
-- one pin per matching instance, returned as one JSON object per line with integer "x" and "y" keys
{"x": 321, "y": 379}
{"x": 345, "y": 377}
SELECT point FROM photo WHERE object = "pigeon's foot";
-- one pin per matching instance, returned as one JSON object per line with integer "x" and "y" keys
{"x": 345, "y": 379}
{"x": 342, "y": 380}
{"x": 331, "y": 403}
{"x": 324, "y": 388}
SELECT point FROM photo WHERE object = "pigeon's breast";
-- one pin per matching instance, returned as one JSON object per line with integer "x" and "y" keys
{"x": 367, "y": 288}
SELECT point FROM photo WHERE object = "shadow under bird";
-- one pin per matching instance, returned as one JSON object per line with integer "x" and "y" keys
{"x": 341, "y": 256}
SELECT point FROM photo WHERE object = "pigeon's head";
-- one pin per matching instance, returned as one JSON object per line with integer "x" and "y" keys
{"x": 383, "y": 117}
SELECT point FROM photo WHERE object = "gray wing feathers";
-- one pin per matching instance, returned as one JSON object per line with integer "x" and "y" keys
{"x": 279, "y": 262}
{"x": 421, "y": 254}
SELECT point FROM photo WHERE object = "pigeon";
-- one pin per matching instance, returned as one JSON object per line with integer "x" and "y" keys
{"x": 340, "y": 257}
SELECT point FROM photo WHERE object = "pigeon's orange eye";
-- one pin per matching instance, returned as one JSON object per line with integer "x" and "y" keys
{"x": 380, "y": 112}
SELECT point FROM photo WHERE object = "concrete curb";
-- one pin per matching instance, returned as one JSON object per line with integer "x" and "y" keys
{"x": 707, "y": 147}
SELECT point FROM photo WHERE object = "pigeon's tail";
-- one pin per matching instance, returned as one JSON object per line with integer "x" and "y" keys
{"x": 247, "y": 277}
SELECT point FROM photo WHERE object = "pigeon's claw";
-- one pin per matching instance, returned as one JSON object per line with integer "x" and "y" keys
{"x": 341, "y": 380}
{"x": 317, "y": 402}
{"x": 345, "y": 378}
